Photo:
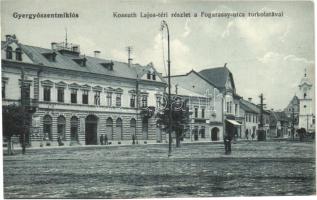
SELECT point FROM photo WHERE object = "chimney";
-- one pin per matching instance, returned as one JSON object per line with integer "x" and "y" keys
{"x": 97, "y": 54}
{"x": 250, "y": 99}
{"x": 53, "y": 45}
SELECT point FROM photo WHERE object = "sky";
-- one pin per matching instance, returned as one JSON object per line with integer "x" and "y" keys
{"x": 265, "y": 54}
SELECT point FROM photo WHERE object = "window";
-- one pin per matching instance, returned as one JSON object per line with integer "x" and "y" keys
{"x": 9, "y": 52}
{"x": 18, "y": 54}
{"x": 202, "y": 132}
{"x": 73, "y": 96}
{"x": 132, "y": 101}
{"x": 85, "y": 96}
{"x": 144, "y": 101}
{"x": 149, "y": 75}
{"x": 154, "y": 77}
{"x": 145, "y": 127}
{"x": 196, "y": 112}
{"x": 61, "y": 121}
{"x": 230, "y": 107}
{"x": 97, "y": 98}
{"x": 74, "y": 128}
{"x": 158, "y": 101}
{"x": 60, "y": 94}
{"x": 236, "y": 109}
{"x": 47, "y": 127}
{"x": 3, "y": 89}
{"x": 47, "y": 93}
{"x": 203, "y": 113}
{"x": 109, "y": 99}
{"x": 118, "y": 100}
{"x": 25, "y": 92}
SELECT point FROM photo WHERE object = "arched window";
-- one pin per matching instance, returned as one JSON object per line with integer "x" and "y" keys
{"x": 74, "y": 128}
{"x": 47, "y": 127}
{"x": 9, "y": 52}
{"x": 119, "y": 129}
{"x": 132, "y": 123}
{"x": 133, "y": 129}
{"x": 61, "y": 122}
{"x": 145, "y": 127}
{"x": 109, "y": 128}
{"x": 18, "y": 54}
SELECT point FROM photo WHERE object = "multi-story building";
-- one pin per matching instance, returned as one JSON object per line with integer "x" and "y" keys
{"x": 217, "y": 84}
{"x": 205, "y": 103}
{"x": 223, "y": 80}
{"x": 251, "y": 119}
{"x": 252, "y": 115}
{"x": 78, "y": 97}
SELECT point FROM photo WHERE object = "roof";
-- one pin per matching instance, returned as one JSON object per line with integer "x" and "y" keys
{"x": 249, "y": 107}
{"x": 185, "y": 92}
{"x": 218, "y": 76}
{"x": 198, "y": 74}
{"x": 93, "y": 64}
{"x": 280, "y": 115}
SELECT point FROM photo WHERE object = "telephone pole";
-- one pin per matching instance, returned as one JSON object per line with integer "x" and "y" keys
{"x": 129, "y": 49}
{"x": 164, "y": 25}
{"x": 23, "y": 105}
{"x": 261, "y": 131}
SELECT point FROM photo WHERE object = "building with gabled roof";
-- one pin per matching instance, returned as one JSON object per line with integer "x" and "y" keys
{"x": 279, "y": 124}
{"x": 78, "y": 97}
{"x": 225, "y": 101}
{"x": 222, "y": 78}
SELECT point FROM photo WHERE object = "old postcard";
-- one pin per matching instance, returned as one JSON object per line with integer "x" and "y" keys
{"x": 106, "y": 99}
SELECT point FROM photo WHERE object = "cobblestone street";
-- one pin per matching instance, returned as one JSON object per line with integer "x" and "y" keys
{"x": 194, "y": 170}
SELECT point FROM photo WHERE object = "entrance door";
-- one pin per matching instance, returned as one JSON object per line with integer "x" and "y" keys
{"x": 91, "y": 130}
{"x": 214, "y": 134}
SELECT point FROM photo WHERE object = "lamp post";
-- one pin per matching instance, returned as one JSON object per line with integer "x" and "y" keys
{"x": 164, "y": 25}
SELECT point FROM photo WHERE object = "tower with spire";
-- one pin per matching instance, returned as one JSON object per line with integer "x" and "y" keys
{"x": 306, "y": 108}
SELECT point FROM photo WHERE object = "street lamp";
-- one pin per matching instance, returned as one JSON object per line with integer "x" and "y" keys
{"x": 164, "y": 25}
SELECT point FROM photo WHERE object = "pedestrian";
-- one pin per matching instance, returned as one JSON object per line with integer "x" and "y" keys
{"x": 106, "y": 139}
{"x": 227, "y": 144}
{"x": 101, "y": 139}
{"x": 253, "y": 136}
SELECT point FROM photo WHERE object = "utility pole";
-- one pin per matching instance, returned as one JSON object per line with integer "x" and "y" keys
{"x": 261, "y": 132}
{"x": 164, "y": 25}
{"x": 23, "y": 102}
{"x": 129, "y": 49}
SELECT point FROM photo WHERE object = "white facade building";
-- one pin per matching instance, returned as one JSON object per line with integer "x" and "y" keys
{"x": 306, "y": 105}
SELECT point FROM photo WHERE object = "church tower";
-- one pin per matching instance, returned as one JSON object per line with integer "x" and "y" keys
{"x": 306, "y": 112}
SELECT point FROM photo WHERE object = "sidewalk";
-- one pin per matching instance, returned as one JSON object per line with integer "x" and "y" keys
{"x": 17, "y": 147}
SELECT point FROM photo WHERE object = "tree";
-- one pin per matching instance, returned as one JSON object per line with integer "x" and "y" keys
{"x": 15, "y": 121}
{"x": 180, "y": 118}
